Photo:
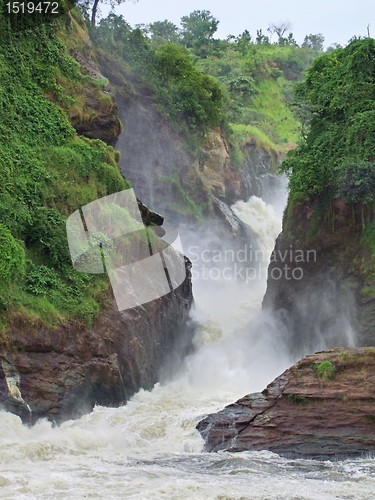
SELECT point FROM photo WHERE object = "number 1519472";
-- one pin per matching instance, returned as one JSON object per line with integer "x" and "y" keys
{"x": 31, "y": 7}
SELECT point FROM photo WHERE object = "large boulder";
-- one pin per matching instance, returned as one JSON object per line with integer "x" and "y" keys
{"x": 323, "y": 406}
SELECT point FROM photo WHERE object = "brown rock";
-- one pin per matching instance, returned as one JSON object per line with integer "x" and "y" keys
{"x": 62, "y": 372}
{"x": 331, "y": 299}
{"x": 304, "y": 412}
{"x": 98, "y": 118}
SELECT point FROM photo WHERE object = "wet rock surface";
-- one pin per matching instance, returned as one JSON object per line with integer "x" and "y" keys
{"x": 326, "y": 296}
{"x": 306, "y": 411}
{"x": 62, "y": 372}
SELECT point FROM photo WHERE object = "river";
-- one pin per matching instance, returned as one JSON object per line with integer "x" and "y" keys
{"x": 150, "y": 449}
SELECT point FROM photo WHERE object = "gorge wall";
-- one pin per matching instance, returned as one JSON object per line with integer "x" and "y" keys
{"x": 61, "y": 372}
{"x": 326, "y": 296}
{"x": 173, "y": 181}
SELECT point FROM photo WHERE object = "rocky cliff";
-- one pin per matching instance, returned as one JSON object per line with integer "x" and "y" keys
{"x": 320, "y": 279}
{"x": 161, "y": 167}
{"x": 323, "y": 406}
{"x": 163, "y": 172}
{"x": 90, "y": 105}
{"x": 62, "y": 372}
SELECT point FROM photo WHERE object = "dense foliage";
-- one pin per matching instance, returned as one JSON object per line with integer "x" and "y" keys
{"x": 46, "y": 173}
{"x": 191, "y": 99}
{"x": 252, "y": 78}
{"x": 337, "y": 154}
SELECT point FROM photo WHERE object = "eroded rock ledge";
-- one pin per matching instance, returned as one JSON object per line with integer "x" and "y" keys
{"x": 310, "y": 410}
{"x": 61, "y": 373}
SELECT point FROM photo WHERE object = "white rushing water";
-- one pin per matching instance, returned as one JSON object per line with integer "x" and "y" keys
{"x": 150, "y": 449}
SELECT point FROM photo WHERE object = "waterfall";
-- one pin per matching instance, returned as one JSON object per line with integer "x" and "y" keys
{"x": 150, "y": 448}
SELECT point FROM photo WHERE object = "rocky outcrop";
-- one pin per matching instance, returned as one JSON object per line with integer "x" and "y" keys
{"x": 323, "y": 406}
{"x": 62, "y": 372}
{"x": 99, "y": 116}
{"x": 90, "y": 105}
{"x": 258, "y": 173}
{"x": 320, "y": 279}
{"x": 213, "y": 167}
{"x": 182, "y": 187}
{"x": 164, "y": 174}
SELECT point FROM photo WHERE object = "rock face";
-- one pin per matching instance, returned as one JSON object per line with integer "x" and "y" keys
{"x": 258, "y": 173}
{"x": 92, "y": 110}
{"x": 163, "y": 173}
{"x": 168, "y": 178}
{"x": 326, "y": 297}
{"x": 310, "y": 410}
{"x": 62, "y": 372}
{"x": 99, "y": 117}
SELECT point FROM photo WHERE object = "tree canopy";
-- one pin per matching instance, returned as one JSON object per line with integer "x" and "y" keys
{"x": 165, "y": 31}
{"x": 314, "y": 42}
{"x": 198, "y": 27}
{"x": 90, "y": 7}
{"x": 339, "y": 89}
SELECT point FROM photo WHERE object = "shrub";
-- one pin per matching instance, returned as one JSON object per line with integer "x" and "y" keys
{"x": 325, "y": 370}
{"x": 356, "y": 181}
{"x": 12, "y": 256}
{"x": 297, "y": 399}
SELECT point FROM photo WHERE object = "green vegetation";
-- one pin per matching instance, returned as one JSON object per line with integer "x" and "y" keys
{"x": 187, "y": 205}
{"x": 337, "y": 153}
{"x": 297, "y": 399}
{"x": 46, "y": 173}
{"x": 190, "y": 99}
{"x": 198, "y": 81}
{"x": 346, "y": 356}
{"x": 325, "y": 370}
{"x": 257, "y": 84}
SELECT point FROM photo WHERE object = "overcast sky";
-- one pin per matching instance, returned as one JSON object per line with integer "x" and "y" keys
{"x": 337, "y": 20}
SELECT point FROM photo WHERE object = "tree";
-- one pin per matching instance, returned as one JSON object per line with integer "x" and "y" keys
{"x": 337, "y": 153}
{"x": 187, "y": 94}
{"x": 243, "y": 89}
{"x": 173, "y": 63}
{"x": 243, "y": 42}
{"x": 164, "y": 30}
{"x": 279, "y": 28}
{"x": 314, "y": 42}
{"x": 262, "y": 39}
{"x": 289, "y": 40}
{"x": 90, "y": 7}
{"x": 198, "y": 28}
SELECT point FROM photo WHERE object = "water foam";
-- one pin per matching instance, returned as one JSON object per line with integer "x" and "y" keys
{"x": 150, "y": 449}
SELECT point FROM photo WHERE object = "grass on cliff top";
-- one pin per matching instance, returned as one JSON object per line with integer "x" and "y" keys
{"x": 244, "y": 135}
{"x": 271, "y": 101}
{"x": 46, "y": 173}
